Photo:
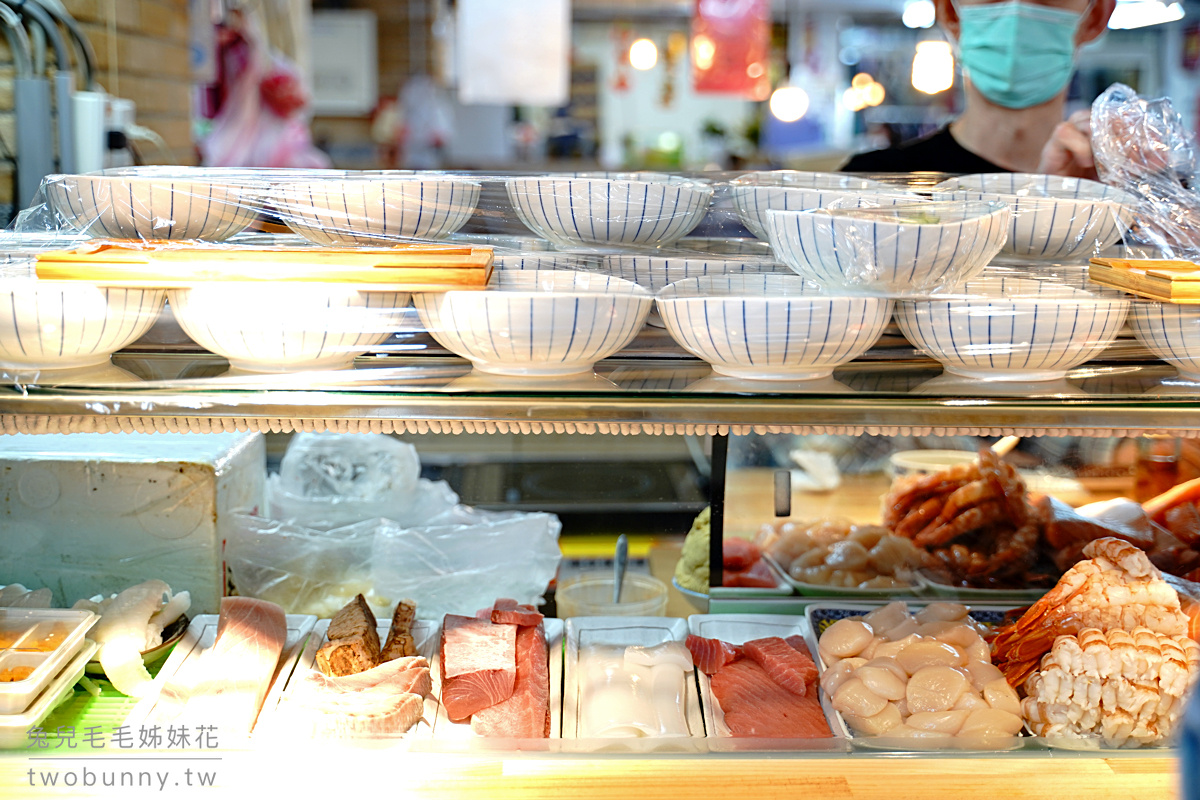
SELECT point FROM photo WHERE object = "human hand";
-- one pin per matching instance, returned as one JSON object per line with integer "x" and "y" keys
{"x": 1069, "y": 151}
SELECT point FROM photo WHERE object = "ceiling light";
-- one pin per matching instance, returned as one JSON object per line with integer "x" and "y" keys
{"x": 918, "y": 14}
{"x": 789, "y": 103}
{"x": 643, "y": 54}
{"x": 933, "y": 67}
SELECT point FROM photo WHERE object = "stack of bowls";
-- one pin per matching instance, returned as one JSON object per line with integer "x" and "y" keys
{"x": 1052, "y": 217}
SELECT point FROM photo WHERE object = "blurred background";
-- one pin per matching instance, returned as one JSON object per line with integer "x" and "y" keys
{"x": 506, "y": 84}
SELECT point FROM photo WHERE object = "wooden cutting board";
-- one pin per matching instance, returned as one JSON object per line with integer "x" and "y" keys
{"x": 413, "y": 268}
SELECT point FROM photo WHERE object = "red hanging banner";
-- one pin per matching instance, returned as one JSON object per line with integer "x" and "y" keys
{"x": 730, "y": 46}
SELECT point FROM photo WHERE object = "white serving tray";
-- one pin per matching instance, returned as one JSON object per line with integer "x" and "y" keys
{"x": 17, "y": 696}
{"x": 739, "y": 629}
{"x": 200, "y": 636}
{"x": 425, "y": 636}
{"x": 445, "y": 729}
{"x": 625, "y": 631}
{"x": 14, "y": 728}
{"x": 817, "y": 612}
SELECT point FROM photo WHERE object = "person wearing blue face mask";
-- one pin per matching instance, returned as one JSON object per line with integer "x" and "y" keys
{"x": 1017, "y": 59}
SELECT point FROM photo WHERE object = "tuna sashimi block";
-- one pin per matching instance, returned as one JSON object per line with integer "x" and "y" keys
{"x": 787, "y": 666}
{"x": 526, "y": 712}
{"x": 478, "y": 664}
{"x": 754, "y": 705}
{"x": 507, "y": 610}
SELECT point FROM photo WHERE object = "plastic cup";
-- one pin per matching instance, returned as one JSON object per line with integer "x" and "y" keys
{"x": 590, "y": 595}
{"x": 907, "y": 462}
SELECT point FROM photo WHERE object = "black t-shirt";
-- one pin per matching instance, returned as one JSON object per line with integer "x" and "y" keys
{"x": 937, "y": 152}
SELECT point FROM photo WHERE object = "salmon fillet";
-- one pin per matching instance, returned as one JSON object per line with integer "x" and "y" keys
{"x": 510, "y": 612}
{"x": 756, "y": 706}
{"x": 787, "y": 666}
{"x": 709, "y": 655}
{"x": 479, "y": 664}
{"x": 526, "y": 712}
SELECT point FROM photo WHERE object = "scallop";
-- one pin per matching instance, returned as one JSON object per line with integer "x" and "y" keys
{"x": 888, "y": 616}
{"x": 906, "y": 627}
{"x": 941, "y": 612}
{"x": 980, "y": 651}
{"x": 940, "y": 721}
{"x": 868, "y": 652}
{"x": 812, "y": 557}
{"x": 882, "y": 681}
{"x": 889, "y": 664}
{"x": 818, "y": 575}
{"x": 845, "y": 638}
{"x": 929, "y": 653}
{"x": 853, "y": 697}
{"x": 867, "y": 535}
{"x": 935, "y": 688}
{"x": 982, "y": 673}
{"x": 839, "y": 673}
{"x": 970, "y": 701}
{"x": 847, "y": 555}
{"x": 908, "y": 732}
{"x": 954, "y": 632}
{"x": 991, "y": 722}
{"x": 1000, "y": 695}
{"x": 893, "y": 649}
{"x": 875, "y": 725}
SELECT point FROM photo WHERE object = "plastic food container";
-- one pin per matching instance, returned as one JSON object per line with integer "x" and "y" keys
{"x": 34, "y": 646}
{"x": 590, "y": 595}
{"x": 14, "y": 728}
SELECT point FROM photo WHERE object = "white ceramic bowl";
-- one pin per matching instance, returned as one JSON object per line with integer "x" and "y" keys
{"x": 534, "y": 322}
{"x": 657, "y": 271}
{"x": 1052, "y": 217}
{"x": 70, "y": 324}
{"x": 128, "y": 206}
{"x": 755, "y": 193}
{"x": 1172, "y": 332}
{"x": 621, "y": 210}
{"x": 770, "y": 327}
{"x": 896, "y": 249}
{"x": 375, "y": 210}
{"x": 1013, "y": 328}
{"x": 284, "y": 328}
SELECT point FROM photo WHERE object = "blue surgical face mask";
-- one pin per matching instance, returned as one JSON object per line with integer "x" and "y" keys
{"x": 1017, "y": 54}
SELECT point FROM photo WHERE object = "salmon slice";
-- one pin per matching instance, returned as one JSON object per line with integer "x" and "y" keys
{"x": 510, "y": 612}
{"x": 227, "y": 684}
{"x": 797, "y": 643}
{"x": 526, "y": 713}
{"x": 758, "y": 575}
{"x": 755, "y": 706}
{"x": 787, "y": 666}
{"x": 479, "y": 664}
{"x": 738, "y": 555}
{"x": 709, "y": 655}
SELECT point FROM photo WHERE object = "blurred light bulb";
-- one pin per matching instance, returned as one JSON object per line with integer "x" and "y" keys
{"x": 852, "y": 99}
{"x": 918, "y": 14}
{"x": 643, "y": 54}
{"x": 756, "y": 70}
{"x": 861, "y": 81}
{"x": 703, "y": 52}
{"x": 874, "y": 94}
{"x": 933, "y": 67}
{"x": 789, "y": 103}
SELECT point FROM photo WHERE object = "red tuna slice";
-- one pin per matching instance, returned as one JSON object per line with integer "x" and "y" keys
{"x": 755, "y": 706}
{"x": 526, "y": 713}
{"x": 758, "y": 576}
{"x": 797, "y": 643}
{"x": 709, "y": 655}
{"x": 739, "y": 555}
{"x": 787, "y": 666}
{"x": 510, "y": 612}
{"x": 479, "y": 664}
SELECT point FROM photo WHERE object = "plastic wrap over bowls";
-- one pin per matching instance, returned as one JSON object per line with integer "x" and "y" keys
{"x": 1052, "y": 217}
{"x": 70, "y": 324}
{"x": 1172, "y": 332}
{"x": 657, "y": 271}
{"x": 755, "y": 193}
{"x": 897, "y": 249}
{"x": 129, "y": 206}
{"x": 284, "y": 328}
{"x": 533, "y": 322}
{"x": 613, "y": 210}
{"x": 375, "y": 210}
{"x": 770, "y": 327}
{"x": 1013, "y": 328}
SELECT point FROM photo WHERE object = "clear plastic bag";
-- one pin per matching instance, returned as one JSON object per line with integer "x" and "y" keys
{"x": 1144, "y": 147}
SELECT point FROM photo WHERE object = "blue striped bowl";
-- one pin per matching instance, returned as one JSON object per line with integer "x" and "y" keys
{"x": 375, "y": 210}
{"x": 770, "y": 327}
{"x": 1013, "y": 328}
{"x": 70, "y": 324}
{"x": 121, "y": 206}
{"x": 896, "y": 249}
{"x": 657, "y": 271}
{"x": 626, "y": 209}
{"x": 1170, "y": 331}
{"x": 1052, "y": 217}
{"x": 284, "y": 328}
{"x": 534, "y": 322}
{"x": 756, "y": 193}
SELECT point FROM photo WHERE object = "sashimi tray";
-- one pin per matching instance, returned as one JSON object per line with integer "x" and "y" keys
{"x": 445, "y": 729}
{"x": 737, "y": 629}
{"x": 425, "y": 637}
{"x": 917, "y": 586}
{"x": 200, "y": 636}
{"x": 602, "y": 713}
